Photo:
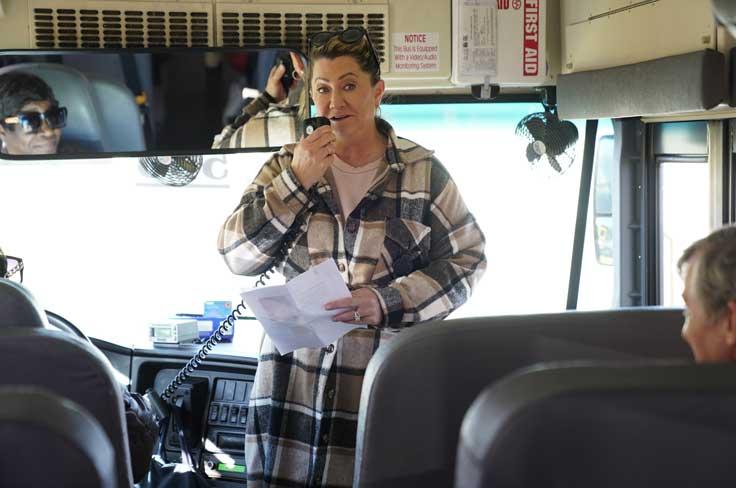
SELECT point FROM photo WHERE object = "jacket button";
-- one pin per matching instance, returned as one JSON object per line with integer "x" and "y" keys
{"x": 352, "y": 226}
{"x": 341, "y": 267}
{"x": 325, "y": 438}
{"x": 331, "y": 393}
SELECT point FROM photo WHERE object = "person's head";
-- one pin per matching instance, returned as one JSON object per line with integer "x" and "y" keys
{"x": 345, "y": 80}
{"x": 30, "y": 116}
{"x": 709, "y": 270}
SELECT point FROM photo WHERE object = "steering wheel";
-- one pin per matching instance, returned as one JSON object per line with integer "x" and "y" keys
{"x": 59, "y": 322}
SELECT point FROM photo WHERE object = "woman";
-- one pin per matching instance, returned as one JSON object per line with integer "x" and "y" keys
{"x": 276, "y": 108}
{"x": 30, "y": 117}
{"x": 392, "y": 219}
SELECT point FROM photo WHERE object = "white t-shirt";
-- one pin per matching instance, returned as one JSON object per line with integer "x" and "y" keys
{"x": 350, "y": 183}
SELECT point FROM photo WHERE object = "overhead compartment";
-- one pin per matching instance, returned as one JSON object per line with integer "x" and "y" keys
{"x": 599, "y": 34}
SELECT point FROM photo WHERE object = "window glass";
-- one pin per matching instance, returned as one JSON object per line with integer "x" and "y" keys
{"x": 683, "y": 220}
{"x": 526, "y": 211}
{"x": 597, "y": 276}
{"x": 113, "y": 250}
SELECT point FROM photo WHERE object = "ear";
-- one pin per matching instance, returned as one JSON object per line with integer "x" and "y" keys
{"x": 378, "y": 92}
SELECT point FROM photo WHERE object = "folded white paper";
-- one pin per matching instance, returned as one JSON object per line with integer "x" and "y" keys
{"x": 293, "y": 314}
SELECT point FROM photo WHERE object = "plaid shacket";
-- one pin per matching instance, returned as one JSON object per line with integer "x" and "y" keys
{"x": 411, "y": 240}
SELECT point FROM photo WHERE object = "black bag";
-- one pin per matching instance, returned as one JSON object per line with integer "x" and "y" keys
{"x": 142, "y": 433}
{"x": 174, "y": 475}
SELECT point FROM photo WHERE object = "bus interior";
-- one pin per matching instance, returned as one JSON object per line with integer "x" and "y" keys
{"x": 592, "y": 140}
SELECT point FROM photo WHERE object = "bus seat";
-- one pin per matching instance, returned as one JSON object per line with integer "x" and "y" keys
{"x": 419, "y": 385}
{"x": 73, "y": 91}
{"x": 119, "y": 115}
{"x": 53, "y": 441}
{"x": 68, "y": 366}
{"x": 602, "y": 425}
{"x": 18, "y": 308}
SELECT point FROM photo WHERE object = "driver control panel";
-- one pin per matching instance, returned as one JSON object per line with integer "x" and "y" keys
{"x": 216, "y": 410}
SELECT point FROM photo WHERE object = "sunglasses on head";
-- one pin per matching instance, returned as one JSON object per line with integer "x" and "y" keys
{"x": 31, "y": 122}
{"x": 351, "y": 35}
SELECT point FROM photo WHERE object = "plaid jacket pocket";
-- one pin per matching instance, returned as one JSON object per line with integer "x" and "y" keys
{"x": 405, "y": 247}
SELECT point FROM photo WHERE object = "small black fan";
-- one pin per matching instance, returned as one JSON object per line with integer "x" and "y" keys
{"x": 173, "y": 170}
{"x": 550, "y": 139}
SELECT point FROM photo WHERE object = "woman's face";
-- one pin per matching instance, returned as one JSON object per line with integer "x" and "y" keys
{"x": 343, "y": 93}
{"x": 44, "y": 141}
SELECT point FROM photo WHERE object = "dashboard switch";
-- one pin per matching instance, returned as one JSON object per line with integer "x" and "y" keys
{"x": 214, "y": 411}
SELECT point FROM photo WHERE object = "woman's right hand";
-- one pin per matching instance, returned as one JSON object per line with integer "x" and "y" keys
{"x": 313, "y": 155}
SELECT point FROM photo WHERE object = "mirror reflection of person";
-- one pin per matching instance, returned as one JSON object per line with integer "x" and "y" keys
{"x": 709, "y": 270}
{"x": 275, "y": 95}
{"x": 30, "y": 116}
{"x": 389, "y": 215}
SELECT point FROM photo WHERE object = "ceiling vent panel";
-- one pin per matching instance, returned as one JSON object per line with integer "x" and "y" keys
{"x": 289, "y": 25}
{"x": 68, "y": 24}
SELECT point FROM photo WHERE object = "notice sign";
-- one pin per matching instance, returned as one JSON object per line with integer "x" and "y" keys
{"x": 415, "y": 51}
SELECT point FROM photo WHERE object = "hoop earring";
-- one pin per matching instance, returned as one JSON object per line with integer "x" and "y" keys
{"x": 378, "y": 111}
{"x": 295, "y": 74}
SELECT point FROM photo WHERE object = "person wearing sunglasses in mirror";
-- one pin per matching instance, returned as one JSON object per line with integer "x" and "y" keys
{"x": 389, "y": 214}
{"x": 30, "y": 116}
{"x": 276, "y": 108}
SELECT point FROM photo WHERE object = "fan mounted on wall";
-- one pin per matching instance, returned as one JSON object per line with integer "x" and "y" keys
{"x": 551, "y": 140}
{"x": 172, "y": 170}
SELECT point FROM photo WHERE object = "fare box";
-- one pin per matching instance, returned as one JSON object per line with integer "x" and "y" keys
{"x": 499, "y": 41}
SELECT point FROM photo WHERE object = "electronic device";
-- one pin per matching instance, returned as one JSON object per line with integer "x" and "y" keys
{"x": 288, "y": 79}
{"x": 174, "y": 331}
{"x": 312, "y": 123}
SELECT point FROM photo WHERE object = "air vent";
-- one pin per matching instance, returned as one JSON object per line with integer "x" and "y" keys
{"x": 59, "y": 25}
{"x": 253, "y": 25}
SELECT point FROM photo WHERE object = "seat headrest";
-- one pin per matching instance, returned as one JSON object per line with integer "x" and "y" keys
{"x": 18, "y": 308}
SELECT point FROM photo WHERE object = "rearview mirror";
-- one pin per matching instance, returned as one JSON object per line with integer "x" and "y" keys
{"x": 145, "y": 102}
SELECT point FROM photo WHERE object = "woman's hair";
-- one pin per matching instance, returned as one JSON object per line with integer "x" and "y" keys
{"x": 715, "y": 282}
{"x": 18, "y": 88}
{"x": 360, "y": 51}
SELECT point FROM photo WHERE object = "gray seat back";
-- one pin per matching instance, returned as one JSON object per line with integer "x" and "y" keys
{"x": 418, "y": 386}
{"x": 53, "y": 441}
{"x": 18, "y": 308}
{"x": 119, "y": 115}
{"x": 65, "y": 365}
{"x": 602, "y": 425}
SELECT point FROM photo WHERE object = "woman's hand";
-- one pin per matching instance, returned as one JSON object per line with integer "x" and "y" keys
{"x": 364, "y": 308}
{"x": 274, "y": 87}
{"x": 313, "y": 155}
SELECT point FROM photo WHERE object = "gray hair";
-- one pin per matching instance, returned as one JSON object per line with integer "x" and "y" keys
{"x": 715, "y": 283}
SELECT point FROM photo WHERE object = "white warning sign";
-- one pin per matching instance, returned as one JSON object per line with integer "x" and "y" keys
{"x": 415, "y": 51}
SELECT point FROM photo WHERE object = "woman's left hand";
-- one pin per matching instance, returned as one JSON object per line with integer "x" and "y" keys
{"x": 364, "y": 308}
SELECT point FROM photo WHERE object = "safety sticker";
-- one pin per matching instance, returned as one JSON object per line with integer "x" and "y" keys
{"x": 415, "y": 51}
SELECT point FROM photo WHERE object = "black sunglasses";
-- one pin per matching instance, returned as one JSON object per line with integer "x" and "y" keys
{"x": 351, "y": 35}
{"x": 31, "y": 122}
{"x": 13, "y": 266}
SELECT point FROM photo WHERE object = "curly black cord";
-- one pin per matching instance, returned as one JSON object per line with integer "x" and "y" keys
{"x": 216, "y": 337}
{"x": 200, "y": 356}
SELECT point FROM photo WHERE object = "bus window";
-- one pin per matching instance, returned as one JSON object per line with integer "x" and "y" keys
{"x": 683, "y": 220}
{"x": 526, "y": 211}
{"x": 597, "y": 278}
